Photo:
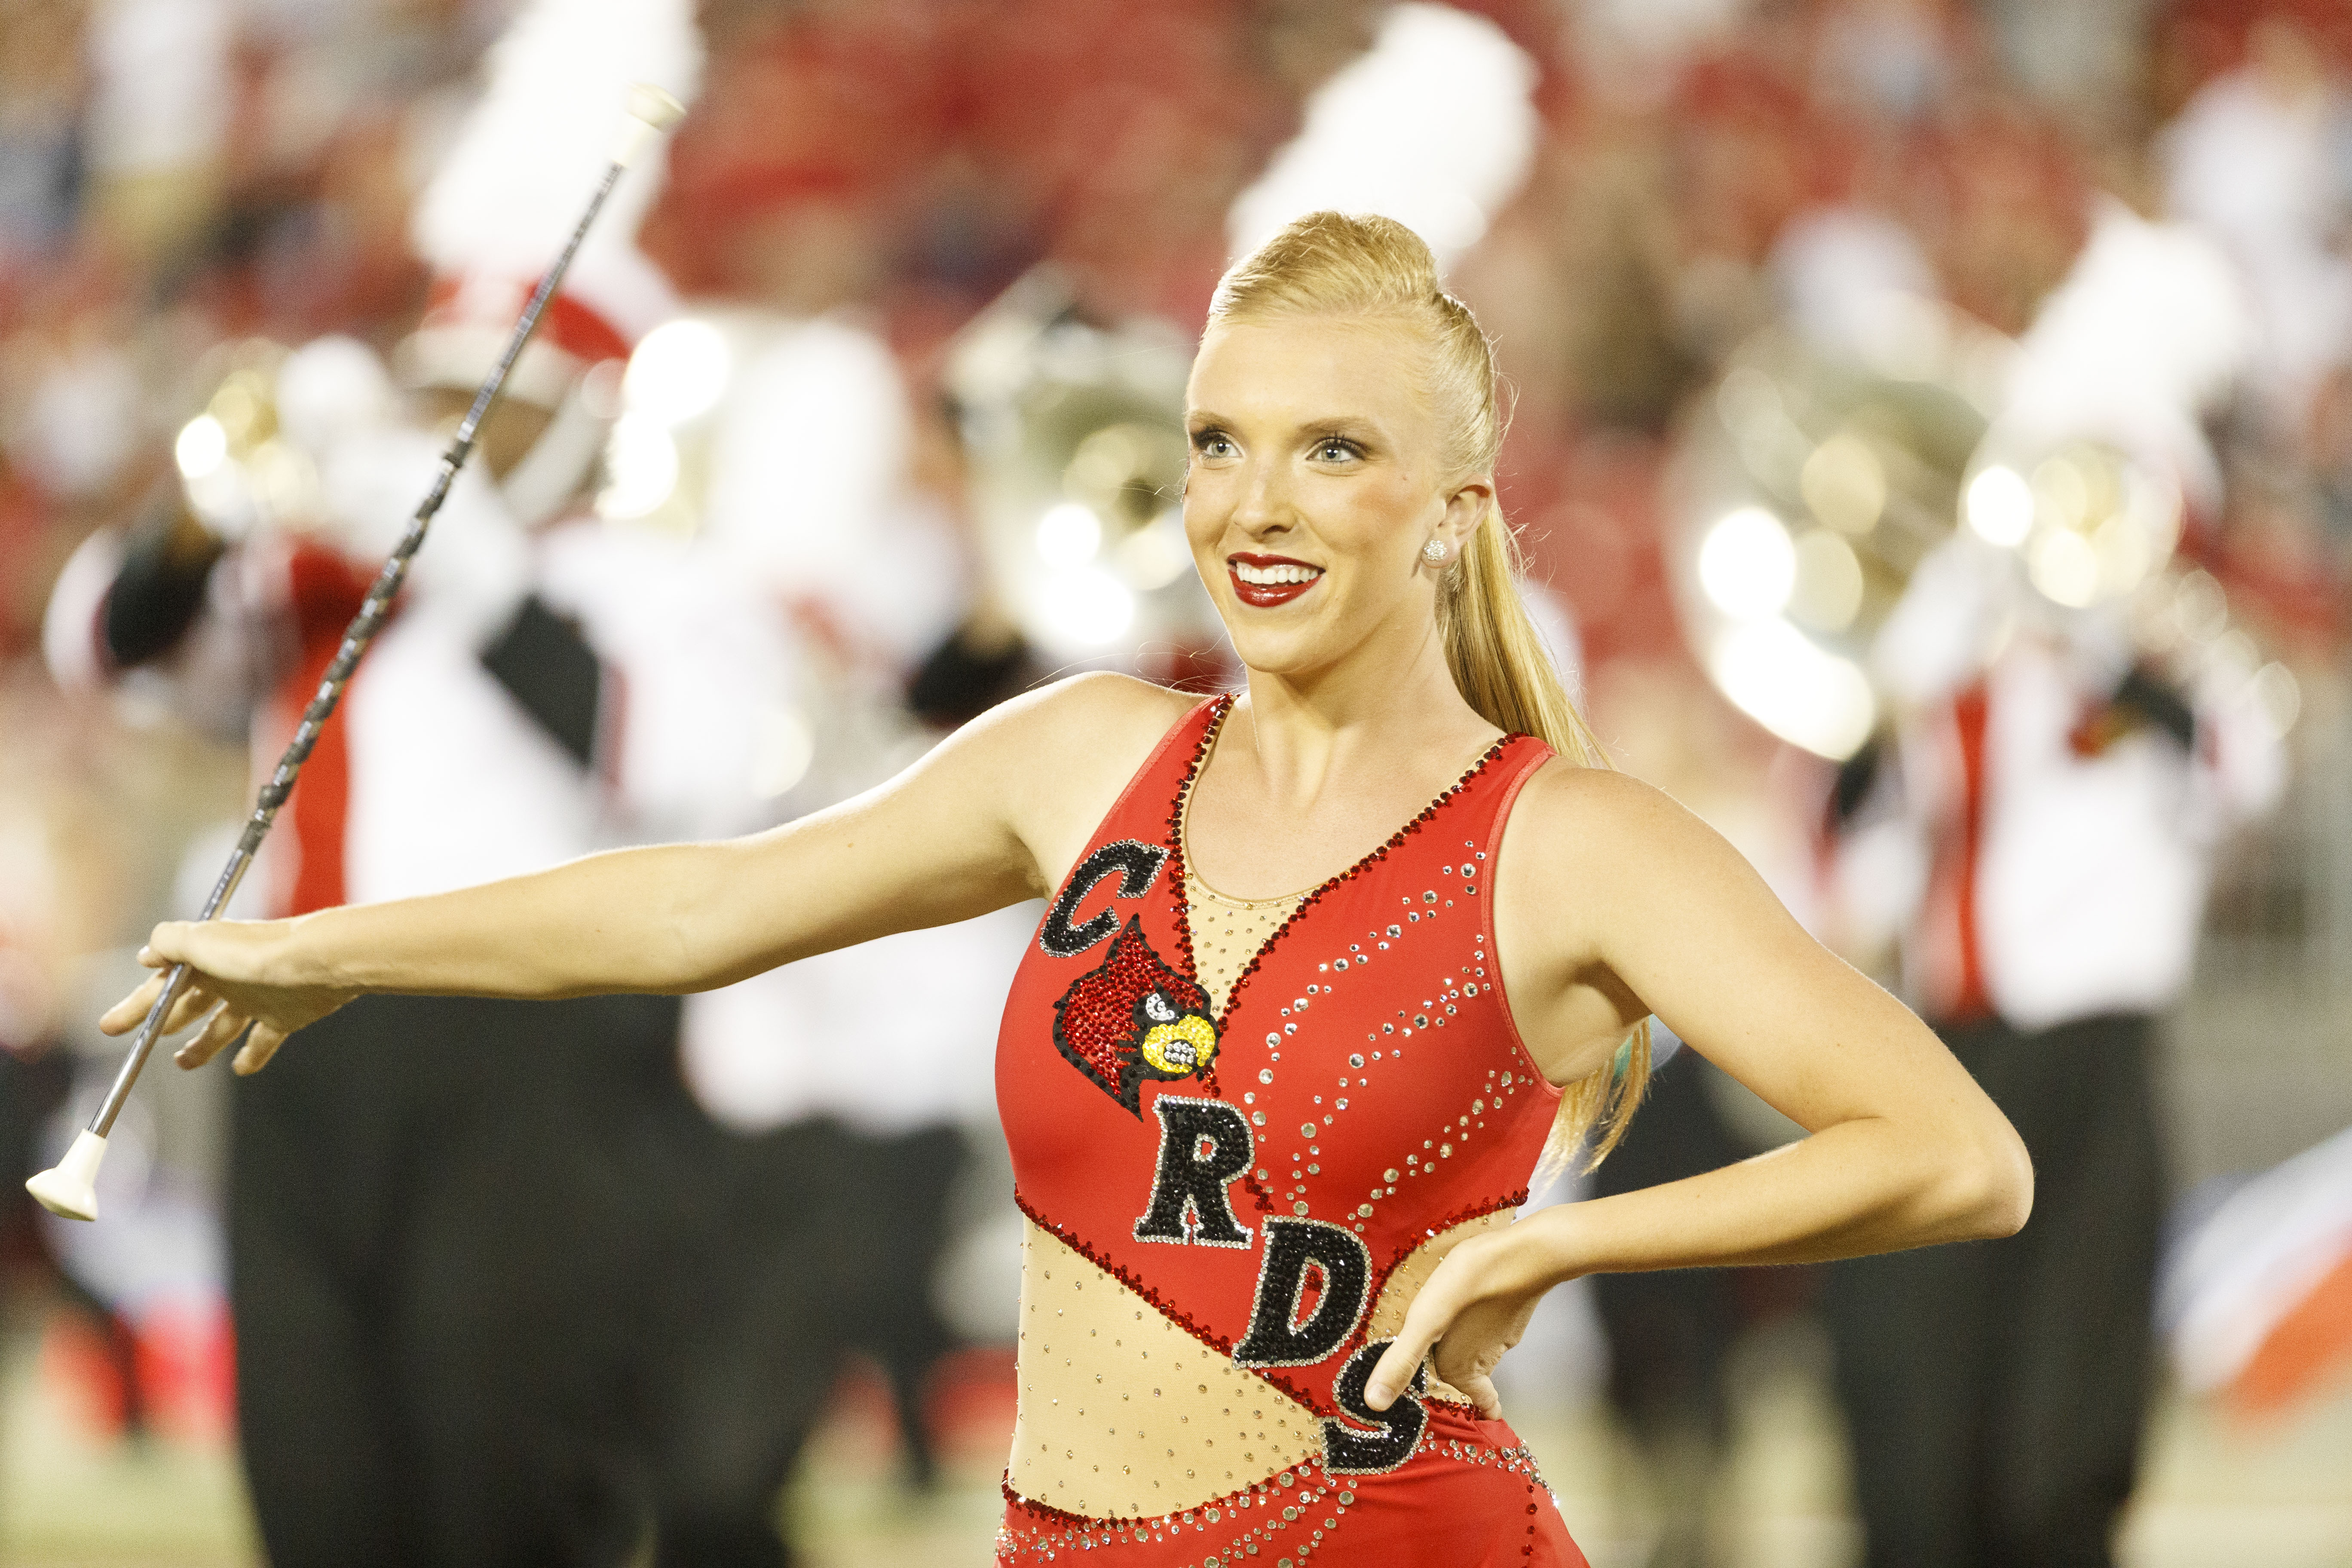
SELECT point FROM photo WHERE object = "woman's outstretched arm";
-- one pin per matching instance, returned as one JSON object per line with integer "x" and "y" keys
{"x": 1627, "y": 904}
{"x": 981, "y": 822}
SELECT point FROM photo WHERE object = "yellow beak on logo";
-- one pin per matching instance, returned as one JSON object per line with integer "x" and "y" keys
{"x": 1182, "y": 1047}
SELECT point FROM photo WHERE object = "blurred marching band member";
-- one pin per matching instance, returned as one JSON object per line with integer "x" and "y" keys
{"x": 442, "y": 1229}
{"x": 847, "y": 1080}
{"x": 2065, "y": 802}
{"x": 391, "y": 1194}
{"x": 2039, "y": 835}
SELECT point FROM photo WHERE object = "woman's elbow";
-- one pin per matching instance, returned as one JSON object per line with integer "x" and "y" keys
{"x": 1990, "y": 1183}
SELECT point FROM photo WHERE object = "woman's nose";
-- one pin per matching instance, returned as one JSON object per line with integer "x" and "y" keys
{"x": 1266, "y": 501}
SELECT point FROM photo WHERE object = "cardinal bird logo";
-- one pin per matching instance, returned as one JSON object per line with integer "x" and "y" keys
{"x": 1134, "y": 1018}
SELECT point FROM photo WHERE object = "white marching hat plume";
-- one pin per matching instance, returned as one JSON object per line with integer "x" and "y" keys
{"x": 2151, "y": 324}
{"x": 1434, "y": 127}
{"x": 504, "y": 199}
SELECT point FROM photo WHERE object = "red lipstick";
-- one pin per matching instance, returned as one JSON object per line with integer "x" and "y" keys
{"x": 1292, "y": 584}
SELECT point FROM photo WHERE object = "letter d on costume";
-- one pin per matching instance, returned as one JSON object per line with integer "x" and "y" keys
{"x": 1277, "y": 1337}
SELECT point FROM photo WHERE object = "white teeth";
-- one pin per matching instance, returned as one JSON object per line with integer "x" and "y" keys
{"x": 1267, "y": 576}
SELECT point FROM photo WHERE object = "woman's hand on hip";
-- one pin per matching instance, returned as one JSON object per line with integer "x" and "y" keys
{"x": 245, "y": 975}
{"x": 1473, "y": 1307}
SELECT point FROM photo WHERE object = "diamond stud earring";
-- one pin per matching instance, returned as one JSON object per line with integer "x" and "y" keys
{"x": 1433, "y": 551}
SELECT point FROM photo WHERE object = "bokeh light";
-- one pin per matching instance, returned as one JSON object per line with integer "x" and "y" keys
{"x": 1999, "y": 507}
{"x": 1746, "y": 564}
{"x": 1068, "y": 535}
{"x": 677, "y": 374}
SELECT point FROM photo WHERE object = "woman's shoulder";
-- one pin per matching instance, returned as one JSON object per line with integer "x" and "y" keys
{"x": 1070, "y": 746}
{"x": 1596, "y": 819}
{"x": 1092, "y": 713}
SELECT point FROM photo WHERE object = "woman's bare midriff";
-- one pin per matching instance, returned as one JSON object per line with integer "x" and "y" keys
{"x": 1124, "y": 1413}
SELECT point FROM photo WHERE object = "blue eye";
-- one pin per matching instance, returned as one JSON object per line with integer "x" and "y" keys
{"x": 1213, "y": 444}
{"x": 1332, "y": 449}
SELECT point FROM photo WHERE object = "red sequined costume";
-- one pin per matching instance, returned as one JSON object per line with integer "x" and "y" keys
{"x": 1259, "y": 1176}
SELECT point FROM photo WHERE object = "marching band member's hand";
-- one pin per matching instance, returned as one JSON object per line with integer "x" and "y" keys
{"x": 244, "y": 976}
{"x": 1474, "y": 1307}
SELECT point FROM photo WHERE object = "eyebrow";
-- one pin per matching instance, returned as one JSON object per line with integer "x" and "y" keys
{"x": 1322, "y": 424}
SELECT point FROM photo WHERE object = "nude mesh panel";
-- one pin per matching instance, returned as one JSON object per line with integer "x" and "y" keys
{"x": 1227, "y": 933}
{"x": 1123, "y": 1412}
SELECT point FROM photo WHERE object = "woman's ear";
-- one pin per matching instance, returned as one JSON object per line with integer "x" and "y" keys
{"x": 1466, "y": 506}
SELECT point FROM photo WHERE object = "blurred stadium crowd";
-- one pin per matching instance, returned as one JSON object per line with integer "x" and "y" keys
{"x": 179, "y": 178}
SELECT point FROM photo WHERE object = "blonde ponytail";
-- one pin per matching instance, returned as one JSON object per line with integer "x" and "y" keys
{"x": 1332, "y": 264}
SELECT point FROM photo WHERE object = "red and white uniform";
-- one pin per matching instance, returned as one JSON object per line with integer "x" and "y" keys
{"x": 432, "y": 775}
{"x": 2040, "y": 866}
{"x": 810, "y": 494}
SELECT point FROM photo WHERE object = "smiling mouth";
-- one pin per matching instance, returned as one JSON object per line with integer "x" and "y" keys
{"x": 1268, "y": 580}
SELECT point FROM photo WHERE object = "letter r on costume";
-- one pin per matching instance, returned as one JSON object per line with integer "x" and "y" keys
{"x": 1203, "y": 1144}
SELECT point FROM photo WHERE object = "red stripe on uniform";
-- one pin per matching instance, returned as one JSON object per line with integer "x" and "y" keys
{"x": 1969, "y": 713}
{"x": 324, "y": 592}
{"x": 567, "y": 323}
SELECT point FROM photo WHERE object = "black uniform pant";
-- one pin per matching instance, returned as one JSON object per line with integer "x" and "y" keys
{"x": 1668, "y": 1331}
{"x": 1671, "y": 1333}
{"x": 447, "y": 1218}
{"x": 823, "y": 1240}
{"x": 1995, "y": 1390}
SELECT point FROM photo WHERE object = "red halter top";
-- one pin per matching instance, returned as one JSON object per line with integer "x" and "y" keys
{"x": 1257, "y": 1175}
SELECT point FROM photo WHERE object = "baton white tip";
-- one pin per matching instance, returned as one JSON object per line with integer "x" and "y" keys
{"x": 651, "y": 112}
{"x": 70, "y": 1189}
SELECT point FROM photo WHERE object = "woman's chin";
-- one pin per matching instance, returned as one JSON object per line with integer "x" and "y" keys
{"x": 1286, "y": 652}
{"x": 1297, "y": 642}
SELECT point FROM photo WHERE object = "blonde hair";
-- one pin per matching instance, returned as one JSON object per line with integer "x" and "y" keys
{"x": 1332, "y": 264}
